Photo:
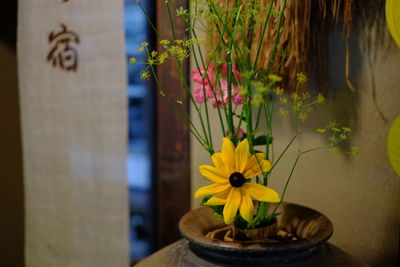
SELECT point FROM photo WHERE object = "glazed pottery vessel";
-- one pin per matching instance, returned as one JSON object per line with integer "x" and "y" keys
{"x": 310, "y": 228}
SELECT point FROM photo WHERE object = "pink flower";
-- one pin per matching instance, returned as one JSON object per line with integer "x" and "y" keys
{"x": 223, "y": 100}
{"x": 237, "y": 99}
{"x": 198, "y": 93}
{"x": 220, "y": 88}
{"x": 197, "y": 75}
{"x": 221, "y": 94}
{"x": 239, "y": 135}
{"x": 234, "y": 70}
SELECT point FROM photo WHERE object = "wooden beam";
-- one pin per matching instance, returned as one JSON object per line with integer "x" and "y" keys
{"x": 12, "y": 226}
{"x": 173, "y": 143}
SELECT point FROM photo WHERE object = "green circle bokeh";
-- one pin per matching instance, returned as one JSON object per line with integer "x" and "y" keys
{"x": 393, "y": 145}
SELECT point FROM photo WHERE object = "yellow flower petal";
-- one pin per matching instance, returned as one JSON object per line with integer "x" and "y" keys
{"x": 219, "y": 198}
{"x": 262, "y": 193}
{"x": 228, "y": 154}
{"x": 253, "y": 160}
{"x": 232, "y": 205}
{"x": 266, "y": 165}
{"x": 255, "y": 167}
{"x": 256, "y": 170}
{"x": 210, "y": 189}
{"x": 261, "y": 156}
{"x": 242, "y": 154}
{"x": 246, "y": 206}
{"x": 216, "y": 201}
{"x": 216, "y": 175}
{"x": 224, "y": 194}
{"x": 218, "y": 160}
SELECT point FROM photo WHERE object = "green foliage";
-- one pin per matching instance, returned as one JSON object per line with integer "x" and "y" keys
{"x": 257, "y": 222}
{"x": 218, "y": 210}
{"x": 262, "y": 140}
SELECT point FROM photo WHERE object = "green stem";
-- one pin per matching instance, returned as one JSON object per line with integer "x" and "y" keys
{"x": 251, "y": 34}
{"x": 207, "y": 118}
{"x": 183, "y": 116}
{"x": 258, "y": 117}
{"x": 230, "y": 116}
{"x": 249, "y": 127}
{"x": 269, "y": 109}
{"x": 154, "y": 28}
{"x": 239, "y": 123}
{"x": 225, "y": 26}
{"x": 295, "y": 163}
{"x": 268, "y": 121}
{"x": 197, "y": 135}
{"x": 288, "y": 180}
{"x": 208, "y": 79}
{"x": 263, "y": 33}
{"x": 249, "y": 118}
{"x": 171, "y": 24}
{"x": 284, "y": 151}
{"x": 277, "y": 38}
{"x": 209, "y": 136}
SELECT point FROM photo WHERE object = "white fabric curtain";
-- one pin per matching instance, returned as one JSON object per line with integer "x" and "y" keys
{"x": 72, "y": 80}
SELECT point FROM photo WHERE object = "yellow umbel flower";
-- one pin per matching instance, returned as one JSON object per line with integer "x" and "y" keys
{"x": 232, "y": 166}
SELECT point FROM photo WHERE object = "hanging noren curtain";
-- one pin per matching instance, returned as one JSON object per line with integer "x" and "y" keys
{"x": 72, "y": 82}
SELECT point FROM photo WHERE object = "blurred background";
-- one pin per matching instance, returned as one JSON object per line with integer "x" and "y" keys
{"x": 140, "y": 160}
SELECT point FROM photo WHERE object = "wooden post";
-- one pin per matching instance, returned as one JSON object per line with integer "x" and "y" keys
{"x": 173, "y": 143}
{"x": 11, "y": 183}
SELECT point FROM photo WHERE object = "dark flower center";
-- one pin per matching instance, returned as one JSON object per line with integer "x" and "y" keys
{"x": 236, "y": 179}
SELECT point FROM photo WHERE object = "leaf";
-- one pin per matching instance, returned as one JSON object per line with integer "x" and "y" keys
{"x": 274, "y": 78}
{"x": 217, "y": 209}
{"x": 321, "y": 130}
{"x": 240, "y": 222}
{"x": 238, "y": 116}
{"x": 257, "y": 221}
{"x": 262, "y": 140}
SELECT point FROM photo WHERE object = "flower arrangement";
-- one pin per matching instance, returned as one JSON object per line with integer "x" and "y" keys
{"x": 227, "y": 80}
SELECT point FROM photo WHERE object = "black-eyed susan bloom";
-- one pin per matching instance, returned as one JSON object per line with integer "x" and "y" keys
{"x": 232, "y": 166}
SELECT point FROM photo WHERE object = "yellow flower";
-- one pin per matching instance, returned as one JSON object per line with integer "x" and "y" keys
{"x": 163, "y": 57}
{"x": 301, "y": 78}
{"x": 145, "y": 75}
{"x": 231, "y": 168}
{"x": 283, "y": 100}
{"x": 164, "y": 42}
{"x": 278, "y": 90}
{"x": 283, "y": 112}
{"x": 321, "y": 99}
{"x": 274, "y": 77}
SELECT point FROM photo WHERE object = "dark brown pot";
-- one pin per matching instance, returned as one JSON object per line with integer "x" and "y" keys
{"x": 311, "y": 227}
